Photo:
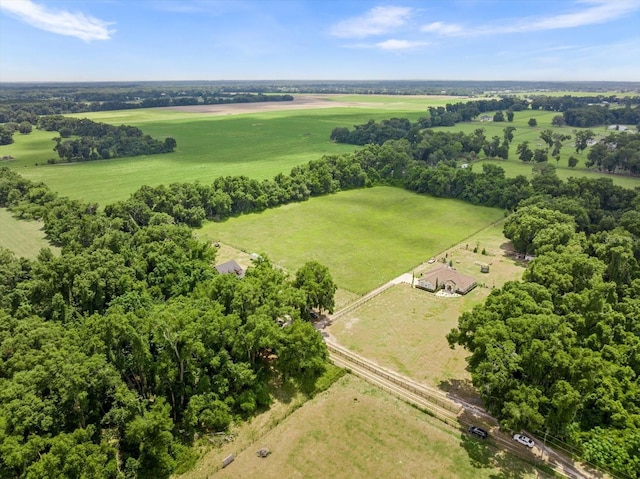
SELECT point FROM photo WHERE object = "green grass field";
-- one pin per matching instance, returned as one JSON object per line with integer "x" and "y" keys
{"x": 355, "y": 430}
{"x": 258, "y": 145}
{"x": 366, "y": 237}
{"x": 24, "y": 238}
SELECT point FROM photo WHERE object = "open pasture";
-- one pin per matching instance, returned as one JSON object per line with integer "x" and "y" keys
{"x": 258, "y": 145}
{"x": 366, "y": 237}
{"x": 358, "y": 431}
{"x": 257, "y": 140}
{"x": 24, "y": 238}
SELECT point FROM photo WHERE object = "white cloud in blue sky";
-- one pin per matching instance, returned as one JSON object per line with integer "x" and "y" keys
{"x": 377, "y": 21}
{"x": 583, "y": 13}
{"x": 312, "y": 39}
{"x": 73, "y": 24}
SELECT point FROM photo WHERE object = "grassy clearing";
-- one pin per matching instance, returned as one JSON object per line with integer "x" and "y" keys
{"x": 355, "y": 430}
{"x": 24, "y": 238}
{"x": 405, "y": 328}
{"x": 366, "y": 237}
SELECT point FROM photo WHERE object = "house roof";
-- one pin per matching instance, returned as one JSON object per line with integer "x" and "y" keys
{"x": 445, "y": 273}
{"x": 230, "y": 267}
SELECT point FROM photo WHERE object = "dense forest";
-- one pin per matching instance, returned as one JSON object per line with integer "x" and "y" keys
{"x": 115, "y": 355}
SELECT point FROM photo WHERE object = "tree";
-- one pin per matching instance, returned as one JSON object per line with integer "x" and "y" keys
{"x": 25, "y": 128}
{"x": 573, "y": 162}
{"x": 150, "y": 439}
{"x": 498, "y": 116}
{"x": 340, "y": 135}
{"x": 540, "y": 155}
{"x": 558, "y": 139}
{"x": 532, "y": 122}
{"x": 524, "y": 152}
{"x": 509, "y": 116}
{"x": 583, "y": 137}
{"x": 530, "y": 228}
{"x": 558, "y": 120}
{"x": 170, "y": 144}
{"x": 315, "y": 281}
{"x": 6, "y": 136}
{"x": 508, "y": 133}
{"x": 547, "y": 137}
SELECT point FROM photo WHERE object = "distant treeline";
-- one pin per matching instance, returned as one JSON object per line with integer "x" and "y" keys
{"x": 100, "y": 91}
{"x": 449, "y": 115}
{"x": 577, "y": 111}
{"x": 29, "y": 110}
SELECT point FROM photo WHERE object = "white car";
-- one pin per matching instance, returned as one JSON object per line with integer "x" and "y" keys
{"x": 527, "y": 441}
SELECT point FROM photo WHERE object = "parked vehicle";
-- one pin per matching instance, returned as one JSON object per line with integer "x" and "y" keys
{"x": 478, "y": 431}
{"x": 527, "y": 441}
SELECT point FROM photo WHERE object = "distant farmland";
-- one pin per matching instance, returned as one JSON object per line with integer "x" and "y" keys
{"x": 258, "y": 141}
{"x": 258, "y": 145}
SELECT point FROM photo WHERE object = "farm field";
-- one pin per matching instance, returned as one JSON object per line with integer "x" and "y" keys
{"x": 254, "y": 143}
{"x": 404, "y": 328}
{"x": 356, "y": 430}
{"x": 255, "y": 140}
{"x": 24, "y": 238}
{"x": 366, "y": 237}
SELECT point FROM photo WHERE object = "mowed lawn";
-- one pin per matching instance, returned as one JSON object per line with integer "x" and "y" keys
{"x": 355, "y": 430}
{"x": 366, "y": 237}
{"x": 24, "y": 238}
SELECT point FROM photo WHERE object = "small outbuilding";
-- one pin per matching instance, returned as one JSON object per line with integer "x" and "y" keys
{"x": 230, "y": 267}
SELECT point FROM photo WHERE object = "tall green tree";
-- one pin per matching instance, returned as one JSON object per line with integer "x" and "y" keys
{"x": 315, "y": 281}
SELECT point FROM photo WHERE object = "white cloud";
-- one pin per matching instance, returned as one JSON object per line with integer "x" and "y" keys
{"x": 596, "y": 11}
{"x": 442, "y": 28}
{"x": 61, "y": 22}
{"x": 377, "y": 21}
{"x": 600, "y": 11}
{"x": 393, "y": 44}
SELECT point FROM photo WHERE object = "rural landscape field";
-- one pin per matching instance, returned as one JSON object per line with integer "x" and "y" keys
{"x": 302, "y": 239}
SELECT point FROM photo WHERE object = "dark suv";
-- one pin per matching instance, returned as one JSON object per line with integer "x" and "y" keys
{"x": 481, "y": 433}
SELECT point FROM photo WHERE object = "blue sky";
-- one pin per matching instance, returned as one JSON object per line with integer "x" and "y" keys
{"x": 113, "y": 40}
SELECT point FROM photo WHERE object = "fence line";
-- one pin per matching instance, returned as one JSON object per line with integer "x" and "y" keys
{"x": 394, "y": 379}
